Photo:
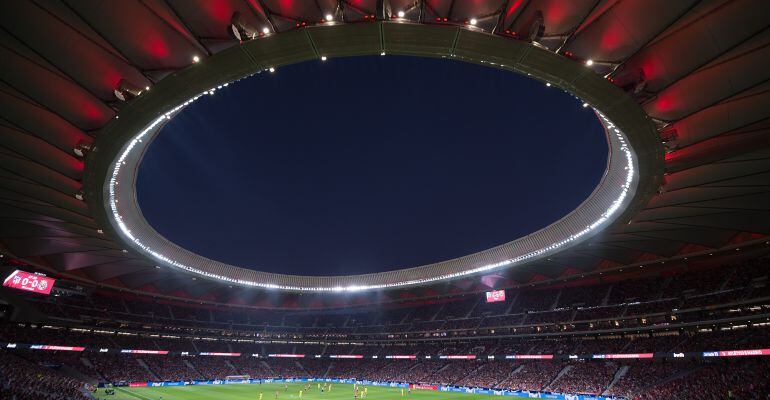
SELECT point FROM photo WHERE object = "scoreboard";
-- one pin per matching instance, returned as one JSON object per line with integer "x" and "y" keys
{"x": 29, "y": 282}
{"x": 495, "y": 296}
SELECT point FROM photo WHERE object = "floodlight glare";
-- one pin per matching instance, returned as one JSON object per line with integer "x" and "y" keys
{"x": 196, "y": 59}
{"x": 400, "y": 14}
{"x": 329, "y": 17}
{"x": 589, "y": 62}
{"x": 265, "y": 30}
{"x": 473, "y": 21}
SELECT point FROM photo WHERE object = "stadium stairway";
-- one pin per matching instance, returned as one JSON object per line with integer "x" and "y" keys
{"x": 573, "y": 315}
{"x": 440, "y": 309}
{"x": 267, "y": 367}
{"x": 91, "y": 365}
{"x": 556, "y": 300}
{"x": 472, "y": 309}
{"x": 75, "y": 374}
{"x": 472, "y": 373}
{"x": 192, "y": 367}
{"x": 621, "y": 372}
{"x": 678, "y": 375}
{"x": 510, "y": 374}
{"x": 147, "y": 368}
{"x": 606, "y": 299}
{"x": 415, "y": 366}
{"x": 558, "y": 376}
{"x": 301, "y": 367}
{"x": 326, "y": 373}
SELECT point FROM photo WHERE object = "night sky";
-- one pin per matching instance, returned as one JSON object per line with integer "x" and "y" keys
{"x": 368, "y": 164}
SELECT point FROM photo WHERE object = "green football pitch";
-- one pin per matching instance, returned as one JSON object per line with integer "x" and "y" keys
{"x": 251, "y": 391}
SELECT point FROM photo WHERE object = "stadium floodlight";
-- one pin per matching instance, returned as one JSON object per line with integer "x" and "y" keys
{"x": 196, "y": 59}
{"x": 271, "y": 69}
{"x": 585, "y": 105}
{"x": 329, "y": 17}
{"x": 382, "y": 53}
{"x": 589, "y": 62}
{"x": 323, "y": 58}
{"x": 126, "y": 91}
{"x": 265, "y": 30}
{"x": 81, "y": 148}
{"x": 400, "y": 14}
{"x": 240, "y": 30}
{"x": 473, "y": 21}
{"x": 80, "y": 195}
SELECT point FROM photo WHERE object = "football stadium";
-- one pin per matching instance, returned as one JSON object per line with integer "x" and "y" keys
{"x": 561, "y": 199}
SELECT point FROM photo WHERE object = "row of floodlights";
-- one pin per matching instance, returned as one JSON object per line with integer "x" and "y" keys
{"x": 163, "y": 258}
{"x": 241, "y": 30}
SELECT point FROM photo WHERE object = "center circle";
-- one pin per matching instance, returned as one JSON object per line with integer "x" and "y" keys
{"x": 368, "y": 164}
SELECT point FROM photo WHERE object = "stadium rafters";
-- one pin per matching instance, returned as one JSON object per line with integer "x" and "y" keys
{"x": 698, "y": 69}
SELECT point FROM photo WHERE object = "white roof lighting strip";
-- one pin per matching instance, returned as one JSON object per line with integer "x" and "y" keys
{"x": 127, "y": 226}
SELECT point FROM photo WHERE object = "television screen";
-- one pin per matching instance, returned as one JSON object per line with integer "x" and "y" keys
{"x": 495, "y": 296}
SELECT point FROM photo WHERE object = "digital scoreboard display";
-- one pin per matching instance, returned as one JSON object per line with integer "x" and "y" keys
{"x": 495, "y": 296}
{"x": 29, "y": 282}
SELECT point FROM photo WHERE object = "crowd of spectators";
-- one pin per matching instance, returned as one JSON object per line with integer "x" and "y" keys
{"x": 624, "y": 304}
{"x": 534, "y": 375}
{"x": 212, "y": 367}
{"x": 170, "y": 368}
{"x": 585, "y": 377}
{"x": 24, "y": 380}
{"x": 488, "y": 375}
{"x": 622, "y": 307}
{"x": 645, "y": 374}
{"x": 120, "y": 368}
{"x": 746, "y": 379}
{"x": 32, "y": 376}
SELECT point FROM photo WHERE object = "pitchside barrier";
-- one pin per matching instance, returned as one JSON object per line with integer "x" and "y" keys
{"x": 455, "y": 389}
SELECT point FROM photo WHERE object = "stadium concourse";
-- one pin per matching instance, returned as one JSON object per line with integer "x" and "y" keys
{"x": 655, "y": 287}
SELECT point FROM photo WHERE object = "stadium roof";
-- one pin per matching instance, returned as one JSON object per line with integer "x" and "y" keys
{"x": 697, "y": 69}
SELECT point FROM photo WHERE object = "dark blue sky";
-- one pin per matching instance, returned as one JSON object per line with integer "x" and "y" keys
{"x": 366, "y": 164}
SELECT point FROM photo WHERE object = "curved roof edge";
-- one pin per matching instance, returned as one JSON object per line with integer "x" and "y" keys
{"x": 635, "y": 149}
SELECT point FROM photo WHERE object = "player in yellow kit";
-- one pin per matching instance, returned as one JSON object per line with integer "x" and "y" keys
{"x": 260, "y": 395}
{"x": 300, "y": 394}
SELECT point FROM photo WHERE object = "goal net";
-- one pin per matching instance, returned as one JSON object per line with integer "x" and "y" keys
{"x": 237, "y": 377}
